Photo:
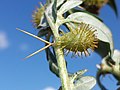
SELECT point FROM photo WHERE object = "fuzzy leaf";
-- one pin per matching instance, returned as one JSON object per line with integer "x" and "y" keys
{"x": 75, "y": 76}
{"x": 103, "y": 33}
{"x": 51, "y": 11}
{"x": 99, "y": 74}
{"x": 59, "y": 2}
{"x": 43, "y": 22}
{"x": 104, "y": 68}
{"x": 103, "y": 48}
{"x": 69, "y": 4}
{"x": 54, "y": 10}
{"x": 116, "y": 57}
{"x": 52, "y": 62}
{"x": 43, "y": 31}
{"x": 116, "y": 68}
{"x": 85, "y": 83}
{"x": 51, "y": 14}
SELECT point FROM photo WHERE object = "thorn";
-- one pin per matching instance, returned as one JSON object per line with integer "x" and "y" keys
{"x": 95, "y": 42}
{"x": 67, "y": 52}
{"x": 73, "y": 55}
{"x": 81, "y": 54}
{"x": 37, "y": 51}
{"x": 34, "y": 36}
{"x": 86, "y": 53}
{"x": 78, "y": 54}
{"x": 63, "y": 46}
{"x": 95, "y": 46}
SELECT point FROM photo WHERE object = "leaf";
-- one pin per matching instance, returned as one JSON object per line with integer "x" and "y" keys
{"x": 104, "y": 68}
{"x": 54, "y": 10}
{"x": 113, "y": 5}
{"x": 103, "y": 48}
{"x": 48, "y": 1}
{"x": 51, "y": 15}
{"x": 51, "y": 11}
{"x": 99, "y": 73}
{"x": 103, "y": 33}
{"x": 85, "y": 83}
{"x": 52, "y": 62}
{"x": 43, "y": 22}
{"x": 75, "y": 76}
{"x": 43, "y": 31}
{"x": 69, "y": 4}
{"x": 59, "y": 2}
{"x": 116, "y": 57}
{"x": 116, "y": 68}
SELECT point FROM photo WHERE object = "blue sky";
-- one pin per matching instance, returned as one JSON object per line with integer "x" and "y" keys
{"x": 34, "y": 74}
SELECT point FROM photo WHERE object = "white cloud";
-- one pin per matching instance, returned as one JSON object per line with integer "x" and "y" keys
{"x": 3, "y": 40}
{"x": 49, "y": 88}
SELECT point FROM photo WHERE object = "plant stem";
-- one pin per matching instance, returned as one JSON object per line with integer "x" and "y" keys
{"x": 62, "y": 69}
{"x": 61, "y": 64}
{"x": 60, "y": 57}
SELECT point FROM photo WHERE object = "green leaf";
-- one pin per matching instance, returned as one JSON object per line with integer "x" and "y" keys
{"x": 51, "y": 11}
{"x": 103, "y": 48}
{"x": 103, "y": 33}
{"x": 99, "y": 73}
{"x": 52, "y": 62}
{"x": 54, "y": 10}
{"x": 113, "y": 5}
{"x": 104, "y": 68}
{"x": 116, "y": 57}
{"x": 59, "y": 2}
{"x": 85, "y": 83}
{"x": 75, "y": 76}
{"x": 69, "y": 4}
{"x": 43, "y": 31}
{"x": 116, "y": 67}
{"x": 51, "y": 15}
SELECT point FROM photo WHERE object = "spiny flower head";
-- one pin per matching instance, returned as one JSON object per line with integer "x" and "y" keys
{"x": 79, "y": 40}
{"x": 94, "y": 6}
{"x": 37, "y": 15}
{"x": 95, "y": 2}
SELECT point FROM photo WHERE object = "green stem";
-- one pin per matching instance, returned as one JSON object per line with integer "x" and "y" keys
{"x": 60, "y": 57}
{"x": 62, "y": 69}
{"x": 61, "y": 63}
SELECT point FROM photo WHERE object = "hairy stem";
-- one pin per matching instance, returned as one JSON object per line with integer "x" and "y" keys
{"x": 61, "y": 65}
{"x": 62, "y": 69}
{"x": 63, "y": 74}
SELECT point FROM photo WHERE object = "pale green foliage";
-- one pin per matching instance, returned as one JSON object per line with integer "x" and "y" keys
{"x": 55, "y": 19}
{"x": 107, "y": 67}
{"x": 63, "y": 12}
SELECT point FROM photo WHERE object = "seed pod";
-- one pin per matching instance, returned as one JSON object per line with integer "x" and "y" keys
{"x": 94, "y": 6}
{"x": 79, "y": 40}
{"x": 38, "y": 15}
{"x": 95, "y": 2}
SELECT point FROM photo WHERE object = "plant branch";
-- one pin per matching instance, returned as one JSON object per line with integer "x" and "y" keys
{"x": 63, "y": 74}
